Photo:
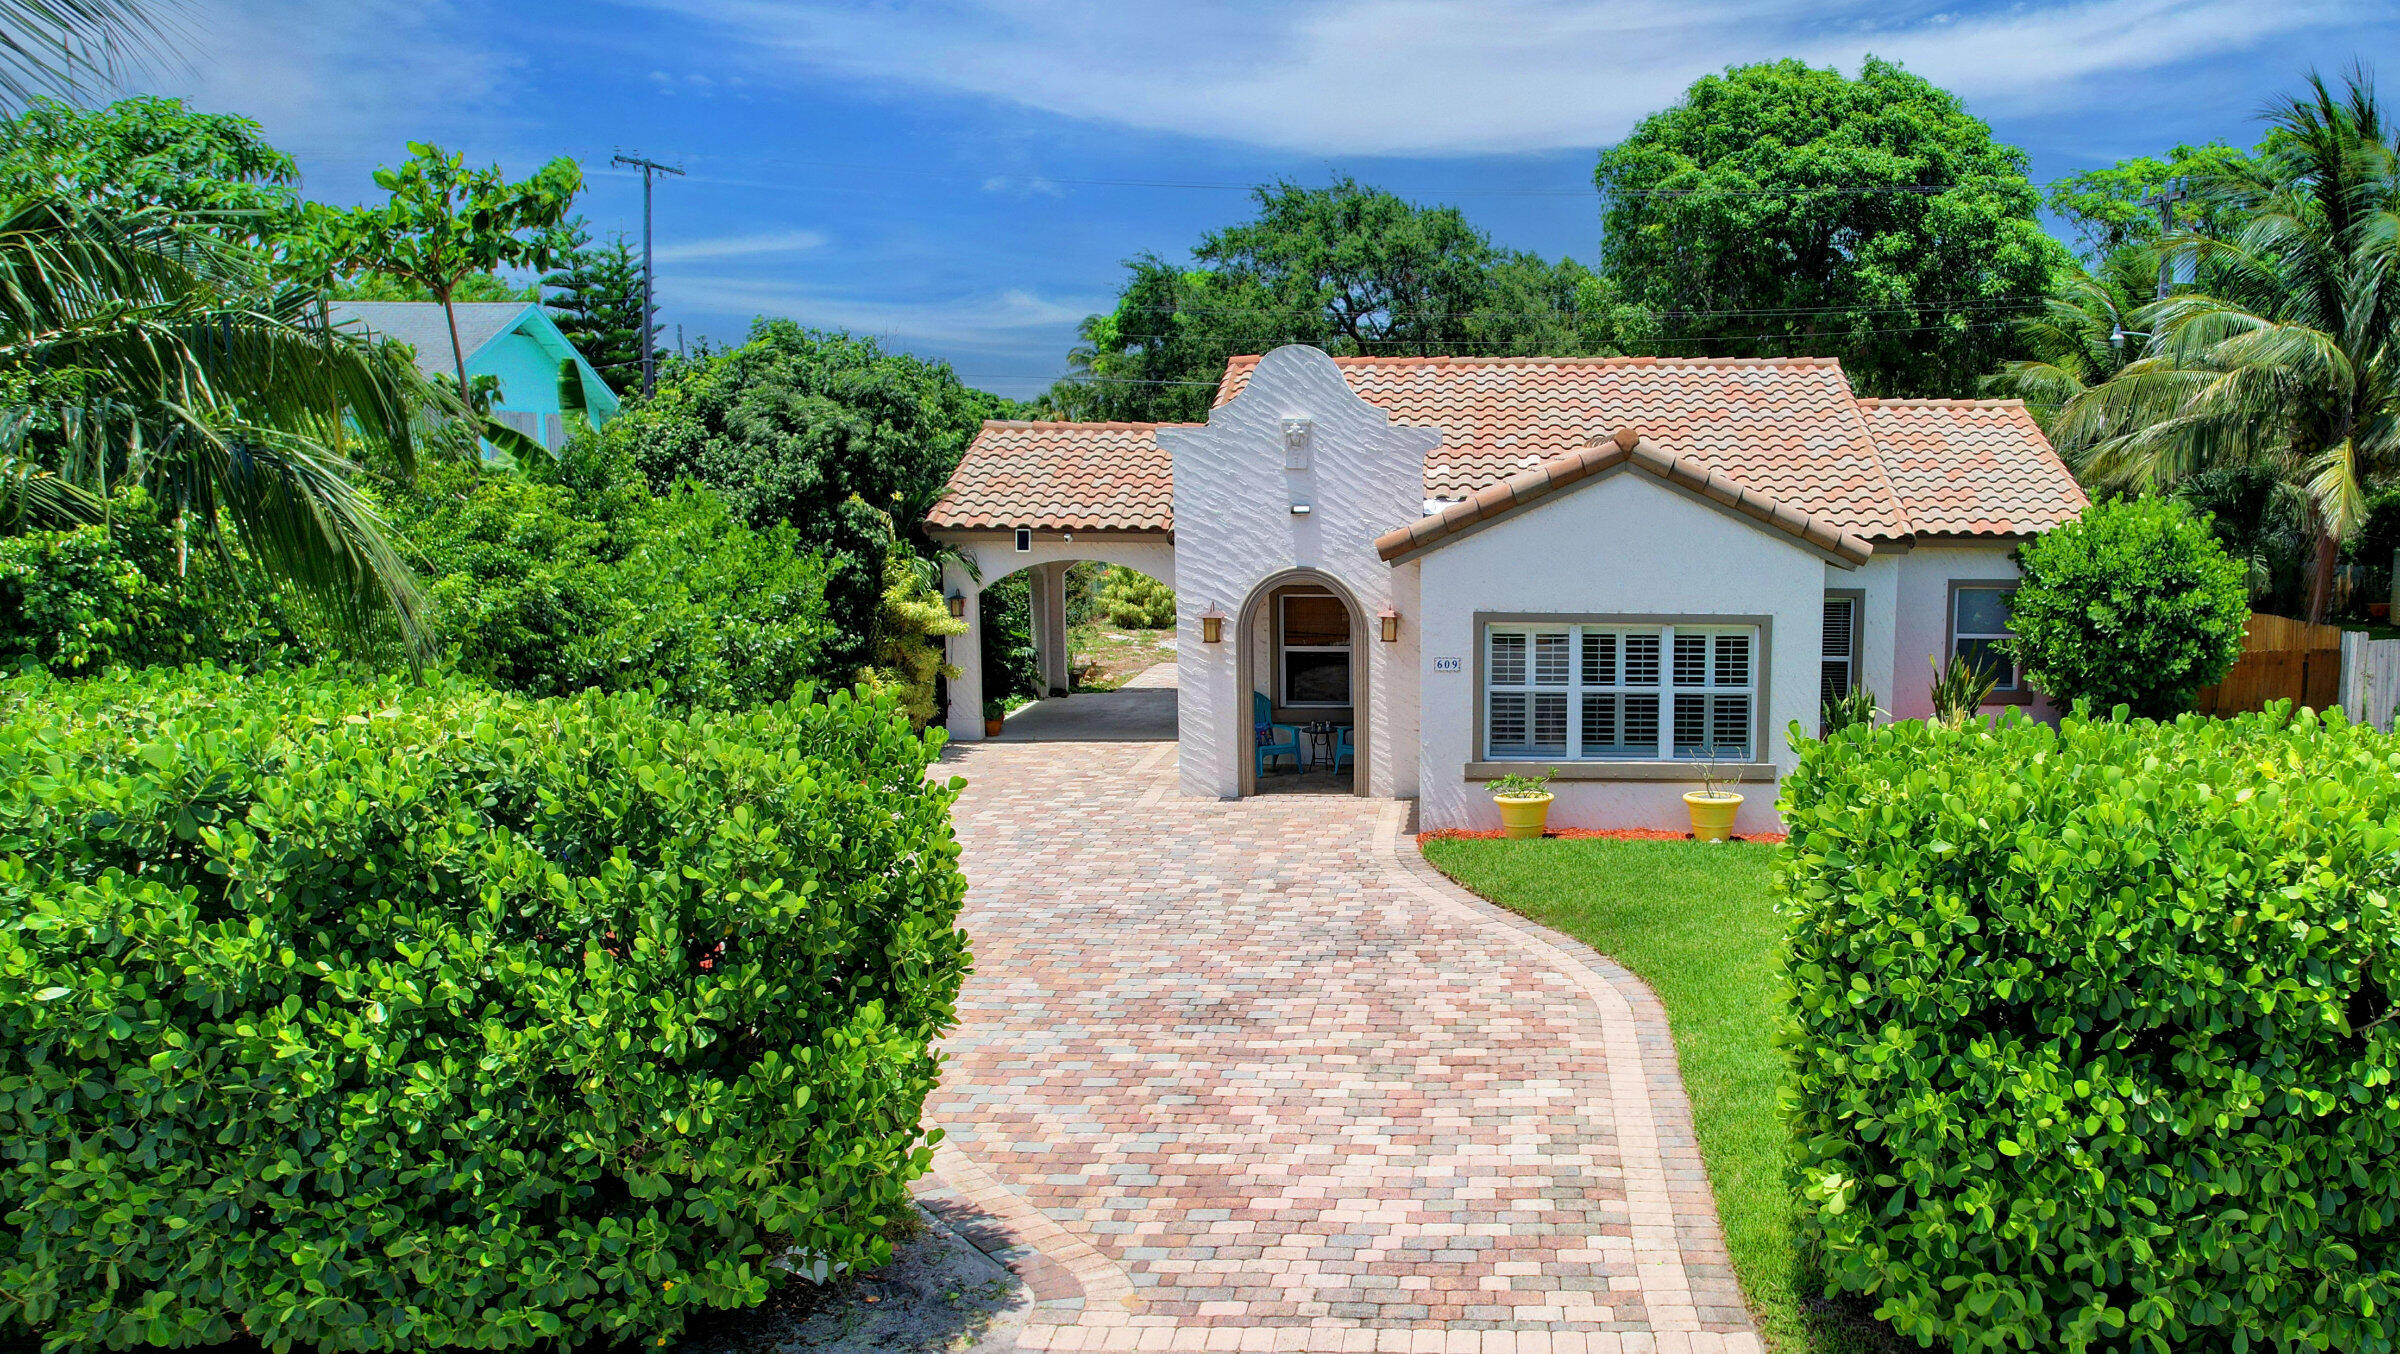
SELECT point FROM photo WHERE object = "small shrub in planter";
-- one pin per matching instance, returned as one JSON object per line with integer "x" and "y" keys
{"x": 2133, "y": 603}
{"x": 2096, "y": 1027}
{"x": 391, "y": 1018}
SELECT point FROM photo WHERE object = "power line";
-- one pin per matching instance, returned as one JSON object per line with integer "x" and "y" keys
{"x": 649, "y": 276}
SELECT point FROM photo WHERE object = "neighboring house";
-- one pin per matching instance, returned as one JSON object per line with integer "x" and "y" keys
{"x": 1619, "y": 567}
{"x": 515, "y": 341}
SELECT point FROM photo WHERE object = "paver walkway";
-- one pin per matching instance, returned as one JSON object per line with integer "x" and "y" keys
{"x": 1251, "y": 1076}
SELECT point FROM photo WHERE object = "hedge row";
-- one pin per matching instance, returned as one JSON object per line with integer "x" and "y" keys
{"x": 2095, "y": 1030}
{"x": 374, "y": 1017}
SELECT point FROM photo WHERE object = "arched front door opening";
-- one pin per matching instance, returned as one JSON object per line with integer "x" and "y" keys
{"x": 1300, "y": 646}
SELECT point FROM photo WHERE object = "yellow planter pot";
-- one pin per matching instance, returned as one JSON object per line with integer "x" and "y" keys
{"x": 1523, "y": 815}
{"x": 1712, "y": 815}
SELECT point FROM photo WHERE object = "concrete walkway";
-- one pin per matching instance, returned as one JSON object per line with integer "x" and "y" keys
{"x": 1251, "y": 1076}
{"x": 1141, "y": 711}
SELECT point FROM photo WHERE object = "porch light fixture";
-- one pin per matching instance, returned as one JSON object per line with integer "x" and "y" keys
{"x": 1295, "y": 443}
{"x": 958, "y": 605}
{"x": 1390, "y": 621}
{"x": 1212, "y": 626}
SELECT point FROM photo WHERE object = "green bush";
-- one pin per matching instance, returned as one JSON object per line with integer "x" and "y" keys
{"x": 2133, "y": 603}
{"x": 94, "y": 597}
{"x": 395, "y": 1018}
{"x": 573, "y": 577}
{"x": 1136, "y": 601}
{"x": 2094, "y": 1030}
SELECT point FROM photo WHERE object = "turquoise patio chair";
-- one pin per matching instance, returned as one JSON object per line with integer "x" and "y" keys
{"x": 1345, "y": 747}
{"x": 1274, "y": 740}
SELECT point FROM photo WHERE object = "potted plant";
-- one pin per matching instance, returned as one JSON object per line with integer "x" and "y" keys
{"x": 1712, "y": 806}
{"x": 994, "y": 711}
{"x": 1524, "y": 803}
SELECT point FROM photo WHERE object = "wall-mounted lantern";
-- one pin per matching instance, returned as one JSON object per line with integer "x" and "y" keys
{"x": 1212, "y": 626}
{"x": 1390, "y": 621}
{"x": 958, "y": 605}
{"x": 1295, "y": 443}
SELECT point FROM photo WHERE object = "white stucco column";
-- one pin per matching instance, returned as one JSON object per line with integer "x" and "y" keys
{"x": 1049, "y": 593}
{"x": 965, "y": 652}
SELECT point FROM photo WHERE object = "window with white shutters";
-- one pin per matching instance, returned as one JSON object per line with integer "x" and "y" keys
{"x": 1581, "y": 692}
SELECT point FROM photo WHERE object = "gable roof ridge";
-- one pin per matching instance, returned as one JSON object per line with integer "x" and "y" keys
{"x": 1097, "y": 425}
{"x": 1902, "y": 528}
{"x": 1624, "y": 447}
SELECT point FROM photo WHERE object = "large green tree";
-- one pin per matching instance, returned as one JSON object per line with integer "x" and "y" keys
{"x": 2290, "y": 361}
{"x": 827, "y": 432}
{"x": 1781, "y": 209}
{"x": 1349, "y": 268}
{"x": 2113, "y": 209}
{"x": 596, "y": 297}
{"x": 211, "y": 170}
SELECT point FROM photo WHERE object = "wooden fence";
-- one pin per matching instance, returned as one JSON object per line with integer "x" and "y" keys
{"x": 2282, "y": 659}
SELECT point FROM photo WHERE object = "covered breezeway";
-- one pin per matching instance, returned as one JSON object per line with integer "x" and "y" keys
{"x": 983, "y": 558}
{"x": 1141, "y": 711}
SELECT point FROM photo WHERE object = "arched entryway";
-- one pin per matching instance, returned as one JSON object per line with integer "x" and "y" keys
{"x": 983, "y": 560}
{"x": 1299, "y": 639}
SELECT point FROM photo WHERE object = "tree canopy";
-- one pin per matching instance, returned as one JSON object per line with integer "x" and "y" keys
{"x": 596, "y": 297}
{"x": 1784, "y": 209}
{"x": 1351, "y": 269}
{"x": 209, "y": 170}
{"x": 825, "y": 431}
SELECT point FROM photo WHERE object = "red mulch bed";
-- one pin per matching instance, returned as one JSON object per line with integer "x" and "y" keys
{"x": 1614, "y": 834}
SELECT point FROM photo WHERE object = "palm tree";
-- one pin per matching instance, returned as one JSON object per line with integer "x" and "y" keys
{"x": 137, "y": 351}
{"x": 2289, "y": 360}
{"x": 2084, "y": 335}
{"x": 43, "y": 43}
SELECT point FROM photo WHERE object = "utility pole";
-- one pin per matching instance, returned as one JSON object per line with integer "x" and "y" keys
{"x": 2165, "y": 199}
{"x": 649, "y": 279}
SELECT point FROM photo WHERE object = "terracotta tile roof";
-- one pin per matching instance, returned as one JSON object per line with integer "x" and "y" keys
{"x": 1624, "y": 448}
{"x": 1971, "y": 467}
{"x": 1787, "y": 430}
{"x": 1060, "y": 477}
{"x": 1786, "y": 427}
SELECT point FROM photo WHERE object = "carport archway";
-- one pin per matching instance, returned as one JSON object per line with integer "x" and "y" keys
{"x": 984, "y": 558}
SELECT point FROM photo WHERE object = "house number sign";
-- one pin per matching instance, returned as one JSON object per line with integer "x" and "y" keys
{"x": 1448, "y": 665}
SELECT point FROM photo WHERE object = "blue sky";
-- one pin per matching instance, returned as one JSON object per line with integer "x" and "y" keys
{"x": 965, "y": 178}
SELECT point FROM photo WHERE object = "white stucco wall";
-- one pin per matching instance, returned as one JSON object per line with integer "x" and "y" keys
{"x": 1235, "y": 532}
{"x": 1922, "y": 576}
{"x": 995, "y": 556}
{"x": 1623, "y": 545}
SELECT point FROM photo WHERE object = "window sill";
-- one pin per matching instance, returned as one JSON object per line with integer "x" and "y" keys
{"x": 1623, "y": 771}
{"x": 2008, "y": 698}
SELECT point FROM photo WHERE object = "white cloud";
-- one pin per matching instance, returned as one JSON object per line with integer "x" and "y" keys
{"x": 1460, "y": 76}
{"x": 997, "y": 321}
{"x": 341, "y": 83}
{"x": 740, "y": 246}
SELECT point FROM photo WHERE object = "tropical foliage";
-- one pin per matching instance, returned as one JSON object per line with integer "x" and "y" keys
{"x": 140, "y": 352}
{"x": 2133, "y": 603}
{"x": 2289, "y": 361}
{"x": 408, "y": 1017}
{"x": 572, "y": 576}
{"x": 596, "y": 298}
{"x": 2092, "y": 1030}
{"x": 823, "y": 432}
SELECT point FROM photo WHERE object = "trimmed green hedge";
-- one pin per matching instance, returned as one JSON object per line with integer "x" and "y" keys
{"x": 377, "y": 1017}
{"x": 2094, "y": 1043}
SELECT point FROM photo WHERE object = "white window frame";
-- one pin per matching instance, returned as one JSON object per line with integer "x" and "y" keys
{"x": 1283, "y": 653}
{"x": 2013, "y": 680}
{"x": 1665, "y": 688}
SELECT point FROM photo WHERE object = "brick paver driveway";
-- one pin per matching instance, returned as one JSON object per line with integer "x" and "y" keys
{"x": 1251, "y": 1077}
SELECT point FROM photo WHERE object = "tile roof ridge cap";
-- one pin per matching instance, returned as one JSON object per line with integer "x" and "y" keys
{"x": 1937, "y": 401}
{"x": 1110, "y": 425}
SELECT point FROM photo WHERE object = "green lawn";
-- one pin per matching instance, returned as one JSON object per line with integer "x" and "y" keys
{"x": 1697, "y": 923}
